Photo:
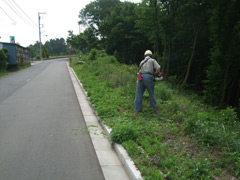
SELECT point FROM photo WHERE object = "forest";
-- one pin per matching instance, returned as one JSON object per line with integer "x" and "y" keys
{"x": 196, "y": 42}
{"x": 52, "y": 47}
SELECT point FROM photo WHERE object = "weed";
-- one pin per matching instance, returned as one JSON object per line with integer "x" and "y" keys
{"x": 185, "y": 140}
{"x": 163, "y": 92}
{"x": 122, "y": 132}
{"x": 3, "y": 73}
{"x": 132, "y": 148}
{"x": 93, "y": 54}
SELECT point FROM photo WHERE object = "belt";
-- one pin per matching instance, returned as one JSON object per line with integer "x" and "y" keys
{"x": 147, "y": 73}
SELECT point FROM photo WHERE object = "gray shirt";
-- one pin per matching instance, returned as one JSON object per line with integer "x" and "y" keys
{"x": 150, "y": 66}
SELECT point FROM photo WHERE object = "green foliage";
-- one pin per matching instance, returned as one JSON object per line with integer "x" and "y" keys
{"x": 195, "y": 41}
{"x": 218, "y": 129}
{"x": 185, "y": 139}
{"x": 52, "y": 47}
{"x": 95, "y": 12}
{"x": 45, "y": 52}
{"x": 163, "y": 92}
{"x": 132, "y": 148}
{"x": 201, "y": 170}
{"x": 34, "y": 50}
{"x": 93, "y": 54}
{"x": 85, "y": 41}
{"x": 224, "y": 70}
{"x": 56, "y": 46}
{"x": 3, "y": 59}
{"x": 123, "y": 131}
{"x": 19, "y": 67}
{"x": 232, "y": 158}
{"x": 38, "y": 57}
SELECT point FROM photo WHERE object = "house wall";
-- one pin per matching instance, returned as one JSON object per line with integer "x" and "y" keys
{"x": 17, "y": 55}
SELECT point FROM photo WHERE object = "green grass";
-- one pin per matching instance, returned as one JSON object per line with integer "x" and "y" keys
{"x": 3, "y": 73}
{"x": 17, "y": 68}
{"x": 185, "y": 139}
{"x": 13, "y": 69}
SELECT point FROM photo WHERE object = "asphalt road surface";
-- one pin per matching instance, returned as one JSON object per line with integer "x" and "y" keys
{"x": 42, "y": 132}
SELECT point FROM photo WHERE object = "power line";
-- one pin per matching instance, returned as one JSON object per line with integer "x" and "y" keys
{"x": 18, "y": 14}
{"x": 25, "y": 13}
{"x": 8, "y": 15}
{"x": 13, "y": 9}
{"x": 5, "y": 25}
{"x": 16, "y": 11}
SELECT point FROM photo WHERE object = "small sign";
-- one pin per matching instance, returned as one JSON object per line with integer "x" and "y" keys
{"x": 12, "y": 39}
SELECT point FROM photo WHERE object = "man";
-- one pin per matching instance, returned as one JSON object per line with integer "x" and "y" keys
{"x": 147, "y": 68}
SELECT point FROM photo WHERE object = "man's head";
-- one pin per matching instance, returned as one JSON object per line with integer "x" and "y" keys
{"x": 148, "y": 53}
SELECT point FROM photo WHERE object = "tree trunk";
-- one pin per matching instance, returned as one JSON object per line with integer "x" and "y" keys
{"x": 191, "y": 58}
{"x": 225, "y": 83}
{"x": 164, "y": 59}
{"x": 168, "y": 62}
{"x": 230, "y": 90}
{"x": 237, "y": 99}
{"x": 156, "y": 28}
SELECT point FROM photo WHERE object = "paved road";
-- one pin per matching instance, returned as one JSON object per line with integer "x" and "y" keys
{"x": 42, "y": 132}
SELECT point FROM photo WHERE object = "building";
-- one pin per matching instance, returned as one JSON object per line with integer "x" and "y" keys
{"x": 17, "y": 55}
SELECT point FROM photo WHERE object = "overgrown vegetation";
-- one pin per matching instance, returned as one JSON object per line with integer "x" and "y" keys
{"x": 186, "y": 139}
{"x": 196, "y": 41}
{"x": 3, "y": 61}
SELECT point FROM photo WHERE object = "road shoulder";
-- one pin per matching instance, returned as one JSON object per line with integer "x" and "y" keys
{"x": 113, "y": 158}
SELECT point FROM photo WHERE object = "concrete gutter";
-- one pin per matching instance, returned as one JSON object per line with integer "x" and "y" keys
{"x": 120, "y": 167}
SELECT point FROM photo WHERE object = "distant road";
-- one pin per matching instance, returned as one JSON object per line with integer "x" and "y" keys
{"x": 42, "y": 132}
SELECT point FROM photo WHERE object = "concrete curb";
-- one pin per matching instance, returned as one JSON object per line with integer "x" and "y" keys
{"x": 127, "y": 162}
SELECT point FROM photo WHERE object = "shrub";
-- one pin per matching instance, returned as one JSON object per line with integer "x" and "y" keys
{"x": 163, "y": 92}
{"x": 93, "y": 54}
{"x": 3, "y": 59}
{"x": 45, "y": 52}
{"x": 123, "y": 131}
{"x": 218, "y": 129}
{"x": 38, "y": 57}
{"x": 228, "y": 116}
{"x": 155, "y": 141}
{"x": 205, "y": 128}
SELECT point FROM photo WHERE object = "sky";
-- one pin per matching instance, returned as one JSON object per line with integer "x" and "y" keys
{"x": 19, "y": 18}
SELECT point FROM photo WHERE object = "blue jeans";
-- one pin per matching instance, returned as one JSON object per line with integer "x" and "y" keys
{"x": 146, "y": 83}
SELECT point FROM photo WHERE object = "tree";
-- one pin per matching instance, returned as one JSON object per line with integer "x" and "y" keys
{"x": 94, "y": 13}
{"x": 194, "y": 14}
{"x": 148, "y": 13}
{"x": 90, "y": 38}
{"x": 196, "y": 41}
{"x": 176, "y": 30}
{"x": 113, "y": 22}
{"x": 56, "y": 46}
{"x": 52, "y": 47}
{"x": 121, "y": 37}
{"x": 34, "y": 49}
{"x": 223, "y": 75}
{"x": 45, "y": 52}
{"x": 73, "y": 40}
{"x": 84, "y": 41}
{"x": 156, "y": 20}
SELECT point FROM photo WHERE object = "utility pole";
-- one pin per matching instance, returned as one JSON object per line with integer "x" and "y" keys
{"x": 40, "y": 41}
{"x": 70, "y": 52}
